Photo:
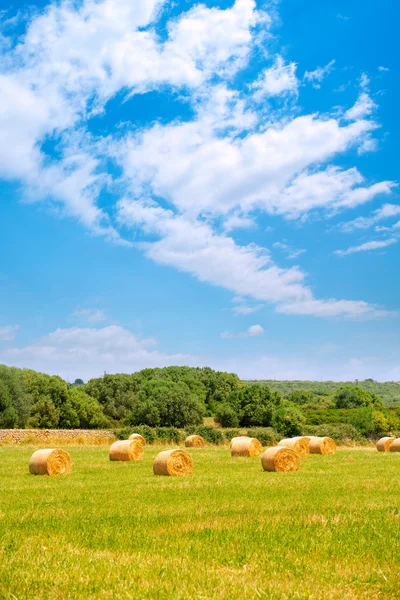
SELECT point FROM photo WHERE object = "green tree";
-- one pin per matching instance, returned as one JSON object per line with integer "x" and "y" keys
{"x": 301, "y": 397}
{"x": 257, "y": 405}
{"x": 355, "y": 397}
{"x": 44, "y": 415}
{"x": 226, "y": 416}
{"x": 289, "y": 421}
{"x": 170, "y": 403}
{"x": 81, "y": 411}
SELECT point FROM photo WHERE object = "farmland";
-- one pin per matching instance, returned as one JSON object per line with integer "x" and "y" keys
{"x": 114, "y": 530}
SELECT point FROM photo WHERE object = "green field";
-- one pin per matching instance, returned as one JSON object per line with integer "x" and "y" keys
{"x": 230, "y": 531}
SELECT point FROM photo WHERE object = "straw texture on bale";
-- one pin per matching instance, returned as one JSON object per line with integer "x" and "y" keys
{"x": 322, "y": 445}
{"x": 50, "y": 461}
{"x": 137, "y": 436}
{"x": 300, "y": 445}
{"x": 280, "y": 458}
{"x": 383, "y": 445}
{"x": 395, "y": 446}
{"x": 126, "y": 450}
{"x": 173, "y": 462}
{"x": 245, "y": 446}
{"x": 195, "y": 441}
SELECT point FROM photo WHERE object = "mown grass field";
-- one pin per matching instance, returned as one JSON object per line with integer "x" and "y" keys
{"x": 230, "y": 531}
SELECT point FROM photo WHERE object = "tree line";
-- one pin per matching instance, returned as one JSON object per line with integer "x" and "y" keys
{"x": 181, "y": 397}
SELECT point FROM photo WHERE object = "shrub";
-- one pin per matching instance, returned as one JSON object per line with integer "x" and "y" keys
{"x": 380, "y": 424}
{"x": 210, "y": 434}
{"x": 349, "y": 396}
{"x": 340, "y": 433}
{"x": 226, "y": 416}
{"x": 267, "y": 435}
{"x": 289, "y": 421}
{"x": 164, "y": 402}
{"x": 168, "y": 434}
{"x": 231, "y": 433}
{"x": 148, "y": 433}
{"x": 301, "y": 397}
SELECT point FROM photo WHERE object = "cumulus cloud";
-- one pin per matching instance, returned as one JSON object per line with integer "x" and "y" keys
{"x": 186, "y": 185}
{"x": 252, "y": 331}
{"x": 367, "y": 246}
{"x": 8, "y": 332}
{"x": 278, "y": 80}
{"x": 87, "y": 352}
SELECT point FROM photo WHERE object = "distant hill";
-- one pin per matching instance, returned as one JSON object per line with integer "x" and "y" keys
{"x": 389, "y": 391}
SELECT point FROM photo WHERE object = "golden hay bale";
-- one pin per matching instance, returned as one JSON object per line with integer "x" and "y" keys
{"x": 322, "y": 445}
{"x": 280, "y": 458}
{"x": 173, "y": 462}
{"x": 51, "y": 461}
{"x": 299, "y": 444}
{"x": 395, "y": 446}
{"x": 245, "y": 446}
{"x": 137, "y": 436}
{"x": 126, "y": 450}
{"x": 195, "y": 441}
{"x": 383, "y": 445}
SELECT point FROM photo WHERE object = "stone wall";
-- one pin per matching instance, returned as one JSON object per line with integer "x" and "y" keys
{"x": 71, "y": 436}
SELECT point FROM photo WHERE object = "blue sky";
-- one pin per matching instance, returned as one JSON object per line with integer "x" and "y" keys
{"x": 204, "y": 184}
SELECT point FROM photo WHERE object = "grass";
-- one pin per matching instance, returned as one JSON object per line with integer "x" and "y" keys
{"x": 231, "y": 531}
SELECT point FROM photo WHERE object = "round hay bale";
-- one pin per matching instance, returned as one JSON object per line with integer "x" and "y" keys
{"x": 245, "y": 446}
{"x": 300, "y": 445}
{"x": 395, "y": 446}
{"x": 173, "y": 462}
{"x": 50, "y": 461}
{"x": 280, "y": 458}
{"x": 195, "y": 441}
{"x": 126, "y": 450}
{"x": 322, "y": 445}
{"x": 137, "y": 436}
{"x": 383, "y": 445}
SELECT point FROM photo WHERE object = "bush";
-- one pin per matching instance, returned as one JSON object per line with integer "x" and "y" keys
{"x": 340, "y": 433}
{"x": 164, "y": 402}
{"x": 226, "y": 416}
{"x": 349, "y": 396}
{"x": 210, "y": 434}
{"x": 148, "y": 433}
{"x": 380, "y": 423}
{"x": 301, "y": 397}
{"x": 289, "y": 421}
{"x": 231, "y": 433}
{"x": 267, "y": 435}
{"x": 168, "y": 434}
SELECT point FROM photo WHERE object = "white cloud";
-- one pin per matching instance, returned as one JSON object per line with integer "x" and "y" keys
{"x": 88, "y": 352}
{"x": 383, "y": 69}
{"x": 8, "y": 332}
{"x": 215, "y": 172}
{"x": 384, "y": 212}
{"x": 280, "y": 79}
{"x": 193, "y": 247}
{"x": 244, "y": 309}
{"x": 73, "y": 59}
{"x": 361, "y": 109}
{"x": 252, "y": 331}
{"x": 92, "y": 315}
{"x": 316, "y": 76}
{"x": 334, "y": 308}
{"x": 372, "y": 245}
{"x": 343, "y": 17}
{"x": 288, "y": 250}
